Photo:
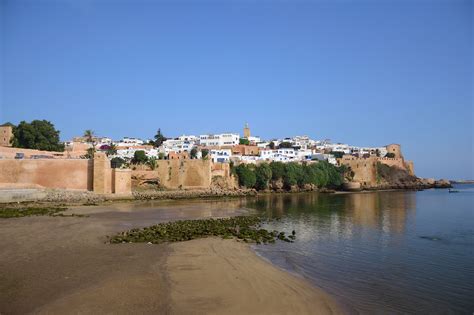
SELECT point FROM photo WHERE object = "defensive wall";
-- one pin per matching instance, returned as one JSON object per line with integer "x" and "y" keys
{"x": 177, "y": 173}
{"x": 365, "y": 169}
{"x": 9, "y": 153}
{"x": 78, "y": 174}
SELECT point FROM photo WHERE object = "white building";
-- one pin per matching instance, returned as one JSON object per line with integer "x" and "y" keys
{"x": 304, "y": 155}
{"x": 179, "y": 145}
{"x": 220, "y": 155}
{"x": 338, "y": 147}
{"x": 280, "y": 155}
{"x": 224, "y": 139}
{"x": 325, "y": 157}
{"x": 254, "y": 140}
{"x": 303, "y": 142}
{"x": 128, "y": 142}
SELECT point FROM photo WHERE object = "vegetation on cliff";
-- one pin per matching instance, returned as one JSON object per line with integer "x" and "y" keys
{"x": 395, "y": 177}
{"x": 264, "y": 176}
{"x": 245, "y": 228}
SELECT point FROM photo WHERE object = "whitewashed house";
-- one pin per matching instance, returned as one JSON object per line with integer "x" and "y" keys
{"x": 220, "y": 140}
{"x": 220, "y": 155}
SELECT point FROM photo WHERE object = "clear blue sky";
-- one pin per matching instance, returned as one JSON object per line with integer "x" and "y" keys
{"x": 358, "y": 72}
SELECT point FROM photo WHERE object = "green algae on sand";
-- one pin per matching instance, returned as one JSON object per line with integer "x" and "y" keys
{"x": 245, "y": 228}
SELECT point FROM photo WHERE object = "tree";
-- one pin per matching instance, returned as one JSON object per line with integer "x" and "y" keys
{"x": 117, "y": 162}
{"x": 111, "y": 150}
{"x": 89, "y": 136}
{"x": 39, "y": 135}
{"x": 152, "y": 163}
{"x": 246, "y": 176}
{"x": 244, "y": 141}
{"x": 263, "y": 175}
{"x": 337, "y": 154}
{"x": 159, "y": 138}
{"x": 90, "y": 153}
{"x": 193, "y": 153}
{"x": 161, "y": 156}
{"x": 285, "y": 145}
{"x": 293, "y": 174}
{"x": 278, "y": 170}
{"x": 139, "y": 157}
{"x": 272, "y": 145}
{"x": 204, "y": 153}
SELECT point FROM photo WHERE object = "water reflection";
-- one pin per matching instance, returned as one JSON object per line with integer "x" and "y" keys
{"x": 387, "y": 212}
{"x": 369, "y": 249}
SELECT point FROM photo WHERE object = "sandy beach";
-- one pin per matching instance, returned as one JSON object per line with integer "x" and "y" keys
{"x": 62, "y": 265}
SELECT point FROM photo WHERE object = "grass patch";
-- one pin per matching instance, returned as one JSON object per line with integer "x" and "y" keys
{"x": 245, "y": 228}
{"x": 30, "y": 211}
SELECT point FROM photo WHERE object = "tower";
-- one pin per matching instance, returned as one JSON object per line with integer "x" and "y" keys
{"x": 6, "y": 134}
{"x": 395, "y": 149}
{"x": 246, "y": 131}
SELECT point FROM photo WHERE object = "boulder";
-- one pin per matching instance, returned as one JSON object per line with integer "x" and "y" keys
{"x": 443, "y": 183}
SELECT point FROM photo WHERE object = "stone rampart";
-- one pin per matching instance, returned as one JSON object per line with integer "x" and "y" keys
{"x": 174, "y": 174}
{"x": 49, "y": 173}
{"x": 78, "y": 174}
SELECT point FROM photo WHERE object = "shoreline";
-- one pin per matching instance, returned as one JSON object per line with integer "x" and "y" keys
{"x": 207, "y": 275}
{"x": 15, "y": 197}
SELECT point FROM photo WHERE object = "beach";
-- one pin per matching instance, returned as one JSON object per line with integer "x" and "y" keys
{"x": 63, "y": 265}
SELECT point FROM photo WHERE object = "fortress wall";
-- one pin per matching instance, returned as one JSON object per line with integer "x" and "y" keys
{"x": 78, "y": 174}
{"x": 365, "y": 170}
{"x": 121, "y": 181}
{"x": 398, "y": 162}
{"x": 174, "y": 174}
{"x": 395, "y": 149}
{"x": 49, "y": 173}
{"x": 220, "y": 169}
{"x": 410, "y": 167}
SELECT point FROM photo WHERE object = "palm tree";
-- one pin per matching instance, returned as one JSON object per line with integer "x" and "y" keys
{"x": 89, "y": 135}
{"x": 112, "y": 150}
{"x": 152, "y": 163}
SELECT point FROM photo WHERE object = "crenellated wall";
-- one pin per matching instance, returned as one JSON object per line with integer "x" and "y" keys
{"x": 365, "y": 169}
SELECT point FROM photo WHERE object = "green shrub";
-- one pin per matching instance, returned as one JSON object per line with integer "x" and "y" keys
{"x": 244, "y": 141}
{"x": 152, "y": 163}
{"x": 204, "y": 153}
{"x": 139, "y": 157}
{"x": 246, "y": 176}
{"x": 193, "y": 153}
{"x": 117, "y": 162}
{"x": 285, "y": 145}
{"x": 293, "y": 174}
{"x": 337, "y": 154}
{"x": 278, "y": 170}
{"x": 263, "y": 175}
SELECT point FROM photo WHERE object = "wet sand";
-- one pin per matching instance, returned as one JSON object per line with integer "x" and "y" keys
{"x": 62, "y": 265}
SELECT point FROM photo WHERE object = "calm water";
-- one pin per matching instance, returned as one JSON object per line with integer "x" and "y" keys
{"x": 381, "y": 252}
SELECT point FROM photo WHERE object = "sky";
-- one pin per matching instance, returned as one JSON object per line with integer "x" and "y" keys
{"x": 366, "y": 73}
